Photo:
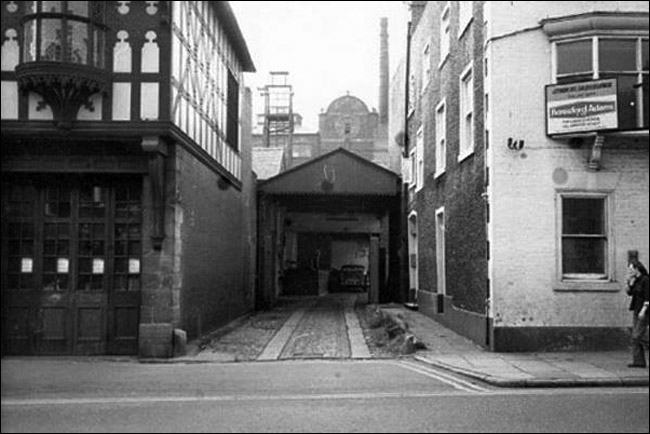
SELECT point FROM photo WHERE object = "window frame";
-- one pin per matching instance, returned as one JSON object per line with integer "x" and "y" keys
{"x": 419, "y": 159}
{"x": 36, "y": 20}
{"x": 445, "y": 34}
{"x": 426, "y": 68}
{"x": 232, "y": 113}
{"x": 413, "y": 250}
{"x": 441, "y": 139}
{"x": 466, "y": 108}
{"x": 596, "y": 72}
{"x": 413, "y": 174}
{"x": 301, "y": 151}
{"x": 465, "y": 16}
{"x": 586, "y": 282}
{"x": 413, "y": 94}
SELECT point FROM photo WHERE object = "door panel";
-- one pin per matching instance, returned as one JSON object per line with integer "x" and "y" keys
{"x": 53, "y": 336}
{"x": 90, "y": 325}
{"x": 124, "y": 313}
{"x": 19, "y": 262}
{"x": 71, "y": 265}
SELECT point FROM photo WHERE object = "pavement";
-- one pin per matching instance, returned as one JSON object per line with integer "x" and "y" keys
{"x": 450, "y": 351}
{"x": 329, "y": 328}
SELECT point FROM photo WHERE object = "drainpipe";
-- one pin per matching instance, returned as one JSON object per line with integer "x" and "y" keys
{"x": 405, "y": 281}
{"x": 407, "y": 90}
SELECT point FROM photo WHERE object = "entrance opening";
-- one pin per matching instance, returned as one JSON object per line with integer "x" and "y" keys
{"x": 71, "y": 265}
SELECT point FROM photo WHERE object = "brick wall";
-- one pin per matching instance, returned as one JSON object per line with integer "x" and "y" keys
{"x": 460, "y": 189}
{"x": 216, "y": 237}
{"x": 518, "y": 216}
{"x": 211, "y": 222}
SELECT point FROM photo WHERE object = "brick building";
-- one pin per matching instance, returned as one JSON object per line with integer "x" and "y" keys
{"x": 127, "y": 185}
{"x": 523, "y": 214}
{"x": 347, "y": 123}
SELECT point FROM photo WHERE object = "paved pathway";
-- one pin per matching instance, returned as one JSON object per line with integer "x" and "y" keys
{"x": 326, "y": 328}
{"x": 298, "y": 328}
{"x": 448, "y": 350}
{"x": 277, "y": 344}
{"x": 358, "y": 346}
{"x": 329, "y": 329}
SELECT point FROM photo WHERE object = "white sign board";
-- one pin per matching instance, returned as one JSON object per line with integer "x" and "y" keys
{"x": 583, "y": 107}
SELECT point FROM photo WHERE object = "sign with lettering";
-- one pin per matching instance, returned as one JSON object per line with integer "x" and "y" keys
{"x": 134, "y": 266}
{"x": 583, "y": 107}
{"x": 27, "y": 266}
{"x": 98, "y": 266}
{"x": 63, "y": 266}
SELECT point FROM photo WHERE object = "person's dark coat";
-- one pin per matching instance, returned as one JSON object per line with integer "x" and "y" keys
{"x": 639, "y": 291}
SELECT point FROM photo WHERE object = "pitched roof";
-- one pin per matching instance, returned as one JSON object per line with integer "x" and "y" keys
{"x": 338, "y": 172}
{"x": 233, "y": 31}
{"x": 268, "y": 162}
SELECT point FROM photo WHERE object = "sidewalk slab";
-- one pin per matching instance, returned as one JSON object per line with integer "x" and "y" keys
{"x": 277, "y": 344}
{"x": 358, "y": 347}
{"x": 450, "y": 351}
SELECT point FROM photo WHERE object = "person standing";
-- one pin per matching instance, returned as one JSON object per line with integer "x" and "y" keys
{"x": 638, "y": 286}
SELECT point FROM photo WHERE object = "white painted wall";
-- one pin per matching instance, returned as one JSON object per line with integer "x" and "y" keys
{"x": 505, "y": 17}
{"x": 9, "y": 109}
{"x": 523, "y": 191}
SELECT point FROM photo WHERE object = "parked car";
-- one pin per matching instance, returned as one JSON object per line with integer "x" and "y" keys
{"x": 353, "y": 276}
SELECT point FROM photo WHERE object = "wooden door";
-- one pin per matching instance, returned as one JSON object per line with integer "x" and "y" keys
{"x": 71, "y": 280}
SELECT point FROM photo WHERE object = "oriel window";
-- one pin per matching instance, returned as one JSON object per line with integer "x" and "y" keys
{"x": 603, "y": 57}
{"x": 66, "y": 32}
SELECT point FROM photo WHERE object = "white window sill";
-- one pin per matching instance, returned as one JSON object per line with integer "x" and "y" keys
{"x": 465, "y": 155}
{"x": 587, "y": 286}
{"x": 464, "y": 28}
{"x": 443, "y": 61}
{"x": 438, "y": 174}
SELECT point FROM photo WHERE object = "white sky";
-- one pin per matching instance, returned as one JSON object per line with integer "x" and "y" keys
{"x": 328, "y": 48}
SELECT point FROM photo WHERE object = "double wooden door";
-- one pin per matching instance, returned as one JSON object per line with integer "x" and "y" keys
{"x": 71, "y": 264}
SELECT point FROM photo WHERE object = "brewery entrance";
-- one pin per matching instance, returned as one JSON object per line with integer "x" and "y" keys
{"x": 71, "y": 264}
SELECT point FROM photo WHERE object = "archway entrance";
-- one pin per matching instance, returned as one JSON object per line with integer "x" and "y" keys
{"x": 336, "y": 214}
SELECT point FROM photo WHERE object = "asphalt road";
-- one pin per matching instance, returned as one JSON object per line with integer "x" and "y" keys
{"x": 71, "y": 395}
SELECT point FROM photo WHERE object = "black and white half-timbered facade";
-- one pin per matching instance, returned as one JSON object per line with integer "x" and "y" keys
{"x": 127, "y": 186}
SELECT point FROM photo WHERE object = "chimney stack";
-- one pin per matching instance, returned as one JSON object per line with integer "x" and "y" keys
{"x": 383, "y": 72}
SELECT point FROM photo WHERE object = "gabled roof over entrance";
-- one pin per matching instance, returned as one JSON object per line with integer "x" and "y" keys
{"x": 339, "y": 172}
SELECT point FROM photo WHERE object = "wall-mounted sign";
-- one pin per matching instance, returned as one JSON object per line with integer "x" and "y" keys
{"x": 27, "y": 265}
{"x": 98, "y": 266}
{"x": 63, "y": 266}
{"x": 134, "y": 266}
{"x": 583, "y": 107}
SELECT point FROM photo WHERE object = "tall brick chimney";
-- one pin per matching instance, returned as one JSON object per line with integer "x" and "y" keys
{"x": 383, "y": 72}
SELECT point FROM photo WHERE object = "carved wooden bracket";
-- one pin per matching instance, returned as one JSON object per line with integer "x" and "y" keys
{"x": 596, "y": 153}
{"x": 64, "y": 87}
{"x": 157, "y": 151}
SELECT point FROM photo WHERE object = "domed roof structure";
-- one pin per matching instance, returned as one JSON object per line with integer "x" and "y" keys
{"x": 348, "y": 105}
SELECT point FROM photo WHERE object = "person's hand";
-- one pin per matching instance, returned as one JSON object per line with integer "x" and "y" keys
{"x": 630, "y": 279}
